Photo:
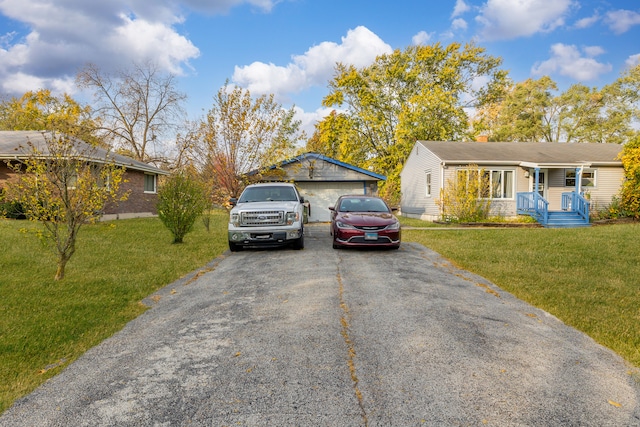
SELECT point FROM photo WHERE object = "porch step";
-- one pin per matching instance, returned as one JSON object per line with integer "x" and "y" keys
{"x": 565, "y": 219}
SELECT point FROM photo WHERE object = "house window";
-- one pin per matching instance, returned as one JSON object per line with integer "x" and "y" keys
{"x": 588, "y": 177}
{"x": 149, "y": 183}
{"x": 496, "y": 184}
{"x": 428, "y": 184}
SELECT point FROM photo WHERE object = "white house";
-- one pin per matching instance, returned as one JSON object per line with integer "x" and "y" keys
{"x": 521, "y": 174}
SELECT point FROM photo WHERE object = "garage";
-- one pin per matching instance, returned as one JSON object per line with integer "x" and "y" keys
{"x": 321, "y": 180}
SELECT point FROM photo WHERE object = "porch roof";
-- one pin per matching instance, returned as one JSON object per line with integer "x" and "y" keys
{"x": 525, "y": 154}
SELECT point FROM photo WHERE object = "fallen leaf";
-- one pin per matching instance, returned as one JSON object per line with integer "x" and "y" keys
{"x": 616, "y": 404}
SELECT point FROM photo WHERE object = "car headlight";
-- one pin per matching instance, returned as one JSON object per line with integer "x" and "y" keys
{"x": 292, "y": 217}
{"x": 341, "y": 224}
{"x": 394, "y": 226}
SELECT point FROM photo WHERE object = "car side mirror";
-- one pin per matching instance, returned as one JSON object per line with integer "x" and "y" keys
{"x": 331, "y": 208}
{"x": 394, "y": 209}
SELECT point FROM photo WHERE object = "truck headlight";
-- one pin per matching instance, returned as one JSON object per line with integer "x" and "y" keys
{"x": 234, "y": 219}
{"x": 292, "y": 217}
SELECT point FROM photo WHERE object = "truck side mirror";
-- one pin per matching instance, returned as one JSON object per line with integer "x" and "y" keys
{"x": 233, "y": 201}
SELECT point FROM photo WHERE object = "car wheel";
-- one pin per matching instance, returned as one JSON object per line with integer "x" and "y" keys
{"x": 234, "y": 247}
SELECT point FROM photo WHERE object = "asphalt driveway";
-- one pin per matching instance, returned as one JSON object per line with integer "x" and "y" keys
{"x": 324, "y": 337}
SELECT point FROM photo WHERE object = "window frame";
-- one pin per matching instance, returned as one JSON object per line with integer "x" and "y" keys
{"x": 491, "y": 173}
{"x": 570, "y": 181}
{"x": 428, "y": 180}
{"x": 155, "y": 183}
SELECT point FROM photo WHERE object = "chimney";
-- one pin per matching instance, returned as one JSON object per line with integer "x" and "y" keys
{"x": 482, "y": 138}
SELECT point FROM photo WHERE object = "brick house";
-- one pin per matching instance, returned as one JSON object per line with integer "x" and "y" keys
{"x": 141, "y": 178}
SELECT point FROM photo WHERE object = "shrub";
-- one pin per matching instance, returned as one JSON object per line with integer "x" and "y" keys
{"x": 181, "y": 200}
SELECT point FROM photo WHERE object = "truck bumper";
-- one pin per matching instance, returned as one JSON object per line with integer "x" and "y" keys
{"x": 263, "y": 238}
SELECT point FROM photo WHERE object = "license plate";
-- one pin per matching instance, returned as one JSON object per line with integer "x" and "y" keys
{"x": 370, "y": 236}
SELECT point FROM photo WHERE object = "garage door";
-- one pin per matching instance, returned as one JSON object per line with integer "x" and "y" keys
{"x": 321, "y": 195}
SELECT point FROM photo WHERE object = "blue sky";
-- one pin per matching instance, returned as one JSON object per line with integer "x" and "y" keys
{"x": 289, "y": 47}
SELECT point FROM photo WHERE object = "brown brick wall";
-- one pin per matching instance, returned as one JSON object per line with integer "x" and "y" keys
{"x": 138, "y": 201}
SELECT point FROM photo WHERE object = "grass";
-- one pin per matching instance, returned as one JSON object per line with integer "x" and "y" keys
{"x": 45, "y": 325}
{"x": 587, "y": 277}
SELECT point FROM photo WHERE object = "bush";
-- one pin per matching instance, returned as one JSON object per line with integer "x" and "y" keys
{"x": 181, "y": 200}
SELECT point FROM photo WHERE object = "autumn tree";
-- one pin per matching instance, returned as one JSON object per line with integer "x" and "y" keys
{"x": 64, "y": 183}
{"x": 630, "y": 193}
{"x": 422, "y": 92}
{"x": 41, "y": 110}
{"x": 240, "y": 134}
{"x": 139, "y": 107}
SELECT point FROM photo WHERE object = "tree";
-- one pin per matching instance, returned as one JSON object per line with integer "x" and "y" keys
{"x": 630, "y": 193}
{"x": 61, "y": 187}
{"x": 181, "y": 200}
{"x": 41, "y": 110}
{"x": 533, "y": 110}
{"x": 241, "y": 134}
{"x": 138, "y": 106}
{"x": 419, "y": 93}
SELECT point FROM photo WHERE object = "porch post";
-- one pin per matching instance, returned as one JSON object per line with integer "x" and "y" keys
{"x": 578, "y": 180}
{"x": 537, "y": 178}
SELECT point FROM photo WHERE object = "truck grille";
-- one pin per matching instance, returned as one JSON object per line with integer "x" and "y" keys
{"x": 262, "y": 218}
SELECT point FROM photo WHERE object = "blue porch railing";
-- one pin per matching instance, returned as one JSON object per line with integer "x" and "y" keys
{"x": 575, "y": 202}
{"x": 533, "y": 204}
{"x": 575, "y": 209}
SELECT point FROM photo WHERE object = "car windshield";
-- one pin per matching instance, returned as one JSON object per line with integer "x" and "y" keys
{"x": 361, "y": 204}
{"x": 268, "y": 194}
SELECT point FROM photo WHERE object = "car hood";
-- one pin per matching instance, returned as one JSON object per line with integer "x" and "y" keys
{"x": 367, "y": 218}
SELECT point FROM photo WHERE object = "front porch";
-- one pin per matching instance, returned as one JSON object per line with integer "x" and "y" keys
{"x": 574, "y": 210}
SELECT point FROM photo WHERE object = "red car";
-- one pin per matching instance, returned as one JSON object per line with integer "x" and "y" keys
{"x": 364, "y": 221}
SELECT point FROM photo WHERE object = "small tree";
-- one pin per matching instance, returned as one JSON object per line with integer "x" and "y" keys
{"x": 467, "y": 198}
{"x": 64, "y": 184}
{"x": 181, "y": 200}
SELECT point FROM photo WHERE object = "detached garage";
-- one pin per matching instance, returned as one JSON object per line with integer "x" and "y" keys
{"x": 321, "y": 180}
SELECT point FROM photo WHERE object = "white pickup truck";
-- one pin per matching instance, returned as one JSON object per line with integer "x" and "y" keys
{"x": 267, "y": 215}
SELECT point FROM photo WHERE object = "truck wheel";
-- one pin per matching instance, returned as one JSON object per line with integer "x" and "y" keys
{"x": 299, "y": 244}
{"x": 234, "y": 248}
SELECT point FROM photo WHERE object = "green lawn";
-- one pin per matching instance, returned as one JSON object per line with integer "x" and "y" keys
{"x": 587, "y": 277}
{"x": 45, "y": 325}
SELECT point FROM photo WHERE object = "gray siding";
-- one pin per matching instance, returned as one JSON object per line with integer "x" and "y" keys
{"x": 320, "y": 170}
{"x": 414, "y": 202}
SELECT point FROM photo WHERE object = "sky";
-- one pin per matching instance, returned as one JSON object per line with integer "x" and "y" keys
{"x": 289, "y": 47}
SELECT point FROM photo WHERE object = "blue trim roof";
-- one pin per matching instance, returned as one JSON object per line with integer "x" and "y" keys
{"x": 319, "y": 156}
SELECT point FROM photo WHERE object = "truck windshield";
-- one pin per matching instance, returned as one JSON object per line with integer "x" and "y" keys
{"x": 268, "y": 194}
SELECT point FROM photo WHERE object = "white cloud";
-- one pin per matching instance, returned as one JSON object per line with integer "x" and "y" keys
{"x": 460, "y": 8}
{"x": 421, "y": 38}
{"x": 632, "y": 61}
{"x": 568, "y": 61}
{"x": 586, "y": 22}
{"x": 509, "y": 19}
{"x": 64, "y": 35}
{"x": 620, "y": 21}
{"x": 359, "y": 48}
{"x": 459, "y": 24}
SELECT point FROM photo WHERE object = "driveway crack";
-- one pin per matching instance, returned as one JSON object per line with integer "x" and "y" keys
{"x": 345, "y": 321}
